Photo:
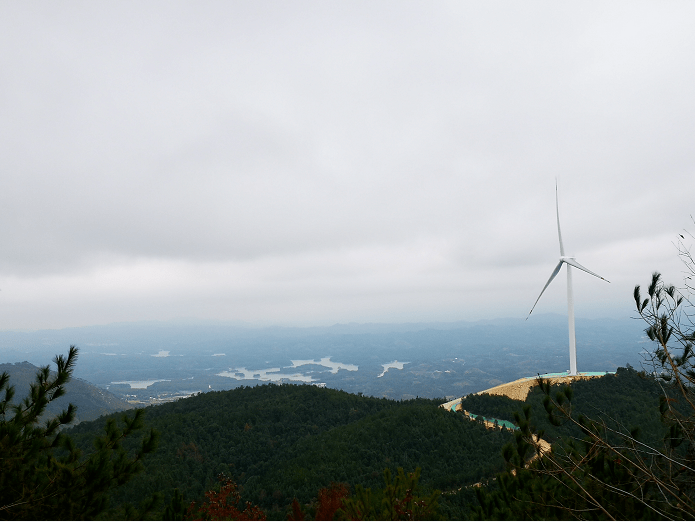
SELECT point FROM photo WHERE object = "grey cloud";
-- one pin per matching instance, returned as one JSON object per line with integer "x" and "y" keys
{"x": 237, "y": 133}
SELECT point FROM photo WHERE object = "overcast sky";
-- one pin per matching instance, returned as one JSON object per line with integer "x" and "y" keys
{"x": 309, "y": 163}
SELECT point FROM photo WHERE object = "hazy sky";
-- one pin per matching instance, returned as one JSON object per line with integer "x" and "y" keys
{"x": 319, "y": 162}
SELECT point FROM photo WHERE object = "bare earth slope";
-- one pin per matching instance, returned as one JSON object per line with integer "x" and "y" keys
{"x": 519, "y": 389}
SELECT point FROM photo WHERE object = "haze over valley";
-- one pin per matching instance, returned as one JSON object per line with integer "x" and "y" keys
{"x": 157, "y": 362}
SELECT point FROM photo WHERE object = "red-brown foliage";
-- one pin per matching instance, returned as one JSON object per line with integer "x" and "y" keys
{"x": 222, "y": 505}
{"x": 330, "y": 500}
{"x": 297, "y": 513}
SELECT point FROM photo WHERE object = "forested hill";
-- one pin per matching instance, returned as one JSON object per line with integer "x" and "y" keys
{"x": 285, "y": 441}
{"x": 281, "y": 442}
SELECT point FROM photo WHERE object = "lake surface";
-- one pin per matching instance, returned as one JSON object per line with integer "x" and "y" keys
{"x": 325, "y": 361}
{"x": 141, "y": 385}
{"x": 276, "y": 375}
{"x": 395, "y": 365}
{"x": 268, "y": 375}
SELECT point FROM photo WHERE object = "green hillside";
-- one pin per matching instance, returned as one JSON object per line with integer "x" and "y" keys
{"x": 281, "y": 442}
{"x": 285, "y": 441}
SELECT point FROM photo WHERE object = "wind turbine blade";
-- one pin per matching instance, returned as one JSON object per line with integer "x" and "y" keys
{"x": 557, "y": 212}
{"x": 580, "y": 267}
{"x": 552, "y": 276}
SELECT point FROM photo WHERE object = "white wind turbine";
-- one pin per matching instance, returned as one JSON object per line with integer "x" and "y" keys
{"x": 569, "y": 261}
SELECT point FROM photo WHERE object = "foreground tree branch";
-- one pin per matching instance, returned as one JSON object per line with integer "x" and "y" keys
{"x": 42, "y": 473}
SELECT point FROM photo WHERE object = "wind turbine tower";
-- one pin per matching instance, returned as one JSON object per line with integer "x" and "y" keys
{"x": 570, "y": 262}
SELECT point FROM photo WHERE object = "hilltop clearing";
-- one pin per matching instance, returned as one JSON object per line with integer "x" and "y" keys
{"x": 518, "y": 390}
{"x": 627, "y": 398}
